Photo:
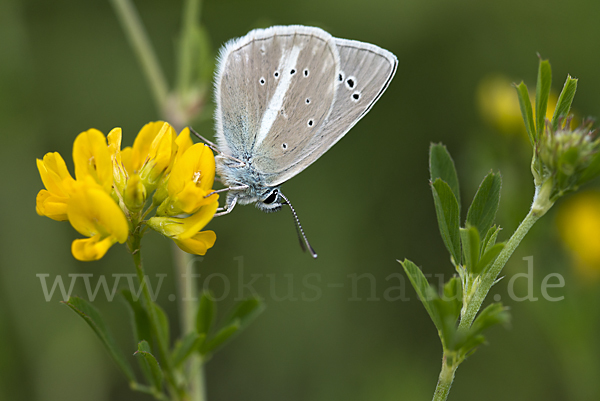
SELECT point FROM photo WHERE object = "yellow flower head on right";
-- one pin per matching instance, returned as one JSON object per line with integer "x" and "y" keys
{"x": 578, "y": 222}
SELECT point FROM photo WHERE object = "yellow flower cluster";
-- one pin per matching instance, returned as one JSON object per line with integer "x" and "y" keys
{"x": 106, "y": 201}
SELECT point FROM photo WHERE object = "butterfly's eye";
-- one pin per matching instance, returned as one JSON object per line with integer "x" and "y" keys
{"x": 271, "y": 198}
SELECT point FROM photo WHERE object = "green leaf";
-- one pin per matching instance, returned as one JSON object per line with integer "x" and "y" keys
{"x": 493, "y": 314}
{"x": 423, "y": 290}
{"x": 526, "y": 111}
{"x": 93, "y": 318}
{"x": 186, "y": 346}
{"x": 563, "y": 106}
{"x": 163, "y": 323}
{"x": 442, "y": 166}
{"x": 482, "y": 211}
{"x": 220, "y": 338}
{"x": 542, "y": 92}
{"x": 447, "y": 211}
{"x": 488, "y": 258}
{"x": 151, "y": 364}
{"x": 141, "y": 321}
{"x": 246, "y": 311}
{"x": 453, "y": 296}
{"x": 470, "y": 245}
{"x": 490, "y": 238}
{"x": 207, "y": 310}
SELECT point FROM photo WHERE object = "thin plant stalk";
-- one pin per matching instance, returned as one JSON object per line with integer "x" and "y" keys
{"x": 135, "y": 249}
{"x": 138, "y": 39}
{"x": 189, "y": 18}
{"x": 188, "y": 306}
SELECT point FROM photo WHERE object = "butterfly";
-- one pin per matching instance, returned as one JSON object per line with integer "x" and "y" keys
{"x": 284, "y": 96}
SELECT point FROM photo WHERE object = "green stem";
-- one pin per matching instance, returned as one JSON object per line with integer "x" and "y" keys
{"x": 188, "y": 302}
{"x": 163, "y": 348}
{"x": 189, "y": 18}
{"x": 138, "y": 39}
{"x": 540, "y": 206}
{"x": 445, "y": 381}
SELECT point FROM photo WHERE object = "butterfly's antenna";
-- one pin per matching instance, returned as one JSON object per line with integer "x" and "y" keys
{"x": 299, "y": 229}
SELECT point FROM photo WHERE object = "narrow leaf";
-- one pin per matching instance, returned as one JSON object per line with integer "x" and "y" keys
{"x": 151, "y": 364}
{"x": 163, "y": 323}
{"x": 488, "y": 258}
{"x": 220, "y": 338}
{"x": 141, "y": 322}
{"x": 207, "y": 310}
{"x": 542, "y": 92}
{"x": 186, "y": 346}
{"x": 447, "y": 211}
{"x": 448, "y": 323}
{"x": 422, "y": 288}
{"x": 470, "y": 243}
{"x": 246, "y": 311}
{"x": 490, "y": 238}
{"x": 526, "y": 111}
{"x": 442, "y": 166}
{"x": 482, "y": 211}
{"x": 493, "y": 314}
{"x": 563, "y": 106}
{"x": 453, "y": 296}
{"x": 93, "y": 318}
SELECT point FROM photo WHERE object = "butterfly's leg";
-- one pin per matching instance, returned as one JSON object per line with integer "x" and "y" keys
{"x": 227, "y": 209}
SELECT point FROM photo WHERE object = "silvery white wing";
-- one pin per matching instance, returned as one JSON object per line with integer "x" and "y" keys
{"x": 286, "y": 94}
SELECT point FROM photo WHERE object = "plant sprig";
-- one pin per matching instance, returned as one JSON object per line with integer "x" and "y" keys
{"x": 563, "y": 159}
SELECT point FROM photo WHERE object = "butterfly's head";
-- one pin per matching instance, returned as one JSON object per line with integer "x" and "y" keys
{"x": 270, "y": 201}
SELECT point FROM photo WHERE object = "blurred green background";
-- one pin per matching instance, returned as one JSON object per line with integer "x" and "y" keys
{"x": 65, "y": 66}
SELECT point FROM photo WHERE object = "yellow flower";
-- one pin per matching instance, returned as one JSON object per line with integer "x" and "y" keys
{"x": 578, "y": 222}
{"x": 52, "y": 201}
{"x": 183, "y": 142}
{"x": 186, "y": 231}
{"x": 152, "y": 153}
{"x": 106, "y": 200}
{"x": 190, "y": 180}
{"x": 120, "y": 174}
{"x": 92, "y": 158}
{"x": 93, "y": 213}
